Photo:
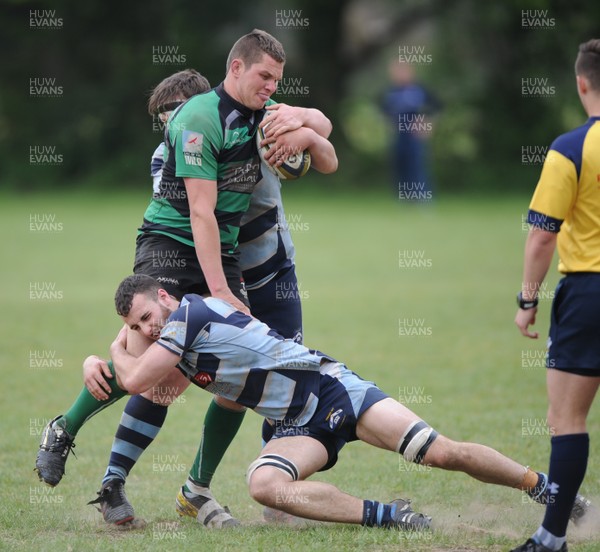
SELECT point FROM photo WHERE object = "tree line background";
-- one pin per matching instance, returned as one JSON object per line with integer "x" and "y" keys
{"x": 76, "y": 78}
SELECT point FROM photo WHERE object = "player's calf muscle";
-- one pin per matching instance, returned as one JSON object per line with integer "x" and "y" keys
{"x": 447, "y": 454}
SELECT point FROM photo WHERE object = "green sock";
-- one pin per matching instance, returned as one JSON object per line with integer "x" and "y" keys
{"x": 86, "y": 406}
{"x": 220, "y": 427}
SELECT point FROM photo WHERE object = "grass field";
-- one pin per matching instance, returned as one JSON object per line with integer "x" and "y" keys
{"x": 419, "y": 299}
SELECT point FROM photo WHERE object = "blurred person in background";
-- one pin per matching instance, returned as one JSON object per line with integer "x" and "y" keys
{"x": 408, "y": 104}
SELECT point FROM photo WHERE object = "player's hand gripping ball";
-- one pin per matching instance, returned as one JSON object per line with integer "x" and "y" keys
{"x": 295, "y": 166}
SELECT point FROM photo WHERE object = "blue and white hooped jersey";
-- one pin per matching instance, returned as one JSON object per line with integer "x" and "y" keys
{"x": 265, "y": 241}
{"x": 238, "y": 357}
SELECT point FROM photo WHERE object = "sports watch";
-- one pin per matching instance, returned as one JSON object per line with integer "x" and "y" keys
{"x": 526, "y": 304}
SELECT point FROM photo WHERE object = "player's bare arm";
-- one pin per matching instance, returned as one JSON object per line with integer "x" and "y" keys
{"x": 539, "y": 250}
{"x": 323, "y": 157}
{"x": 95, "y": 373}
{"x": 138, "y": 374}
{"x": 282, "y": 118}
{"x": 202, "y": 198}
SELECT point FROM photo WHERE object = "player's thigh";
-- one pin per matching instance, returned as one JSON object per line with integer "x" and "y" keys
{"x": 383, "y": 424}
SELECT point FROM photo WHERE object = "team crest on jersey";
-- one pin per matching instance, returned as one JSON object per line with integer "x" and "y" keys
{"x": 192, "y": 147}
{"x": 336, "y": 419}
{"x": 203, "y": 379}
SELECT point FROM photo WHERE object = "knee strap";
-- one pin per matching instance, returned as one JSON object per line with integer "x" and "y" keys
{"x": 416, "y": 441}
{"x": 279, "y": 462}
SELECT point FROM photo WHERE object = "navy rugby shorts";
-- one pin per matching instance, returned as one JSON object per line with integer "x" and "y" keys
{"x": 343, "y": 398}
{"x": 574, "y": 337}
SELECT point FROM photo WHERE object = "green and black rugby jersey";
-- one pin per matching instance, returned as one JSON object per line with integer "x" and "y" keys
{"x": 211, "y": 137}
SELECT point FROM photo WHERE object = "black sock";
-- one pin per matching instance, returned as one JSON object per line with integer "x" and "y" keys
{"x": 568, "y": 463}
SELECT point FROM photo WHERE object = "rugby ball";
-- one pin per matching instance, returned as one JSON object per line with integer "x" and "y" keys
{"x": 295, "y": 166}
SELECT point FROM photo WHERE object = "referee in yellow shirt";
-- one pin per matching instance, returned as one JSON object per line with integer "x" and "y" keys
{"x": 565, "y": 213}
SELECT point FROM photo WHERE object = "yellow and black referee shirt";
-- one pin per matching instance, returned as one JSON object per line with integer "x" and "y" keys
{"x": 567, "y": 197}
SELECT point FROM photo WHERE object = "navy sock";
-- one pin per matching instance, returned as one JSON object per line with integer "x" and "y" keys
{"x": 568, "y": 463}
{"x": 377, "y": 514}
{"x": 140, "y": 423}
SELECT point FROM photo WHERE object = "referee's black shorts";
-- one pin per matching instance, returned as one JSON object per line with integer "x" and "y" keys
{"x": 574, "y": 340}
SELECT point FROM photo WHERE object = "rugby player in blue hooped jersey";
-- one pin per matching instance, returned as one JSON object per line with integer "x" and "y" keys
{"x": 266, "y": 261}
{"x": 565, "y": 213}
{"x": 312, "y": 405}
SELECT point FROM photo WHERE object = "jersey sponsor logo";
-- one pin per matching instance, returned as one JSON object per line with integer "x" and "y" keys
{"x": 242, "y": 178}
{"x": 192, "y": 147}
{"x": 203, "y": 379}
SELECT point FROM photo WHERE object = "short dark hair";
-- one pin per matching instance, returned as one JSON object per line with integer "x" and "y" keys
{"x": 130, "y": 286}
{"x": 181, "y": 85}
{"x": 588, "y": 62}
{"x": 251, "y": 47}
